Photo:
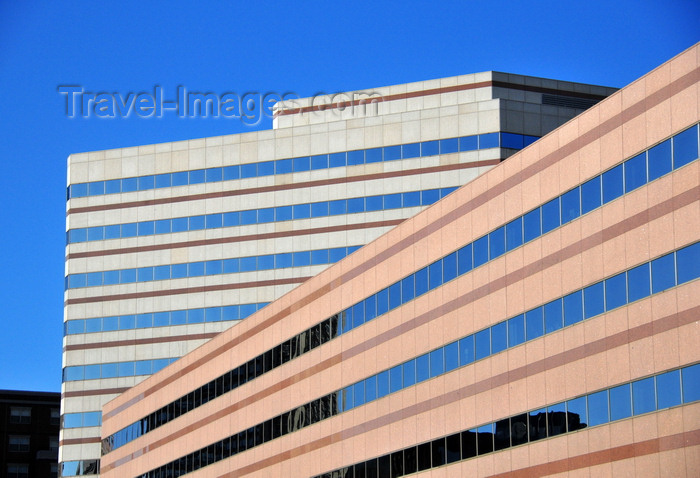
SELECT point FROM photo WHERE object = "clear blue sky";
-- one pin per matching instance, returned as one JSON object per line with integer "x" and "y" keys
{"x": 303, "y": 47}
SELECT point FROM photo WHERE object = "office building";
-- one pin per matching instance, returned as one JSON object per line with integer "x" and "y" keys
{"x": 29, "y": 424}
{"x": 540, "y": 320}
{"x": 171, "y": 244}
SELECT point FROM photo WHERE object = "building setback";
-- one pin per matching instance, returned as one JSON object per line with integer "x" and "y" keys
{"x": 541, "y": 319}
{"x": 171, "y": 244}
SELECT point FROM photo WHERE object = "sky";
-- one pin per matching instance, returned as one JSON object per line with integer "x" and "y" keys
{"x": 302, "y": 47}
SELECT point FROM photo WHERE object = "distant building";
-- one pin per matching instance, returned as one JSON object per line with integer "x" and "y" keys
{"x": 542, "y": 319}
{"x": 29, "y": 427}
{"x": 171, "y": 244}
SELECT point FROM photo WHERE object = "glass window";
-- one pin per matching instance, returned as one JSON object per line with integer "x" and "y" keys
{"x": 451, "y": 356}
{"x": 214, "y": 174}
{"x": 577, "y": 416}
{"x": 449, "y": 145}
{"x": 302, "y": 164}
{"x": 422, "y": 285}
{"x": 534, "y": 323}
{"x": 392, "y": 153}
{"x": 688, "y": 260}
{"x": 668, "y": 389}
{"x": 110, "y": 323}
{"x": 449, "y": 267}
{"x": 469, "y": 143}
{"x": 97, "y": 188}
{"x": 232, "y": 172}
{"x": 598, "y": 408}
{"x": 231, "y": 219}
{"x": 95, "y": 233}
{"x": 643, "y": 396}
{"x": 179, "y": 224}
{"x": 429, "y": 197}
{"x": 573, "y": 308}
{"x": 685, "y": 147}
{"x": 663, "y": 274}
{"x": 590, "y": 195}
{"x": 481, "y": 251}
{"x": 422, "y": 368}
{"x": 484, "y": 439}
{"x": 144, "y": 320}
{"x": 659, "y": 158}
{"x": 301, "y": 211}
{"x": 556, "y": 419}
{"x": 409, "y": 373}
{"x": 382, "y": 384}
{"x": 497, "y": 244}
{"x": 319, "y": 162}
{"x": 109, "y": 370}
{"x": 358, "y": 398}
{"x": 499, "y": 337}
{"x": 612, "y": 184}
{"x": 691, "y": 383}
{"x": 464, "y": 259}
{"x": 302, "y": 258}
{"x": 394, "y": 295}
{"x": 531, "y": 225}
{"x": 466, "y": 350}
{"x": 483, "y": 343}
{"x": 395, "y": 379}
{"x": 593, "y": 300}
{"x": 516, "y": 330}
{"x": 392, "y": 201}
{"x": 197, "y": 176}
{"x": 356, "y": 205}
{"x": 488, "y": 140}
{"x": 430, "y": 148}
{"x": 437, "y": 362}
{"x": 266, "y": 168}
{"x": 550, "y": 215}
{"x": 374, "y": 203}
{"x": 129, "y": 185}
{"x": 356, "y": 157}
{"x": 553, "y": 319}
{"x": 373, "y": 155}
{"x": 616, "y": 291}
{"x": 638, "y": 282}
{"x": 411, "y": 199}
{"x": 514, "y": 234}
{"x": 512, "y": 141}
{"x": 337, "y": 159}
{"x": 78, "y": 190}
{"x": 635, "y": 172}
{"x": 407, "y": 288}
{"x": 620, "y": 402}
{"x": 468, "y": 444}
{"x": 570, "y": 205}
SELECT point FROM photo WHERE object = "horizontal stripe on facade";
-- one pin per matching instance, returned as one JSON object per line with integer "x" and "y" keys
{"x": 186, "y": 290}
{"x": 285, "y": 187}
{"x": 245, "y": 238}
{"x": 94, "y": 392}
{"x": 644, "y": 331}
{"x": 559, "y": 256}
{"x": 438, "y": 91}
{"x": 150, "y": 340}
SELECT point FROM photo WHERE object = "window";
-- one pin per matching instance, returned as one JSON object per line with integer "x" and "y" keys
{"x": 18, "y": 443}
{"x": 20, "y": 415}
{"x": 53, "y": 443}
{"x": 17, "y": 471}
{"x": 55, "y": 416}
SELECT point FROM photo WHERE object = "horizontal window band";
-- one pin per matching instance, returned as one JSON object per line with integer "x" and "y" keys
{"x": 287, "y": 187}
{"x": 235, "y": 239}
{"x": 340, "y": 207}
{"x": 611, "y": 293}
{"x": 602, "y": 345}
{"x": 160, "y": 319}
{"x": 115, "y": 369}
{"x": 302, "y": 164}
{"x": 234, "y": 265}
{"x": 657, "y": 392}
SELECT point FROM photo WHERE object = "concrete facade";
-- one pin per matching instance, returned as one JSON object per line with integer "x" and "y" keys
{"x": 639, "y": 333}
{"x": 118, "y": 331}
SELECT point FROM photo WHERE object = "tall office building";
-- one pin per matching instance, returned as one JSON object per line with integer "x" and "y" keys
{"x": 171, "y": 244}
{"x": 540, "y": 320}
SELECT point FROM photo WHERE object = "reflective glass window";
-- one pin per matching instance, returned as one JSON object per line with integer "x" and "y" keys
{"x": 283, "y": 213}
{"x": 488, "y": 140}
{"x": 516, "y": 330}
{"x": 553, "y": 319}
{"x": 232, "y": 172}
{"x": 356, "y": 157}
{"x": 302, "y": 164}
{"x": 95, "y": 233}
{"x": 197, "y": 176}
{"x": 499, "y": 337}
{"x": 195, "y": 316}
{"x": 593, "y": 300}
{"x": 266, "y": 168}
{"x": 659, "y": 158}
{"x": 531, "y": 225}
{"x": 573, "y": 308}
{"x": 570, "y": 205}
{"x": 97, "y": 188}
{"x": 497, "y": 242}
{"x": 437, "y": 362}
{"x": 590, "y": 195}
{"x": 92, "y": 372}
{"x": 691, "y": 383}
{"x": 108, "y": 370}
{"x": 430, "y": 196}
{"x": 512, "y": 141}
{"x": 613, "y": 186}
{"x": 213, "y": 174}
{"x": 356, "y": 205}
{"x": 78, "y": 190}
{"x": 110, "y": 323}
{"x": 129, "y": 230}
{"x": 638, "y": 282}
{"x": 301, "y": 211}
{"x": 337, "y": 207}
{"x": 407, "y": 288}
{"x": 421, "y": 281}
{"x": 688, "y": 260}
{"x": 449, "y": 145}
{"x": 534, "y": 323}
{"x": 598, "y": 408}
{"x": 374, "y": 203}
{"x": 337, "y": 159}
{"x": 643, "y": 396}
{"x": 577, "y": 415}
{"x": 430, "y": 148}
{"x": 468, "y": 143}
{"x": 663, "y": 274}
{"x": 685, "y": 147}
{"x": 635, "y": 172}
{"x": 319, "y": 209}
{"x": 266, "y": 215}
{"x": 144, "y": 321}
{"x": 409, "y": 373}
{"x": 668, "y": 389}
{"x": 382, "y": 384}
{"x": 620, "y": 402}
{"x": 484, "y": 439}
{"x": 129, "y": 185}
{"x": 616, "y": 291}
{"x": 466, "y": 350}
{"x": 373, "y": 155}
{"x": 394, "y": 295}
{"x": 396, "y": 379}
{"x": 481, "y": 251}
{"x": 392, "y": 153}
{"x": 451, "y": 356}
{"x": 556, "y": 419}
{"x": 550, "y": 215}
{"x": 371, "y": 388}
{"x": 411, "y": 199}
{"x": 319, "y": 162}
{"x": 449, "y": 267}
{"x": 464, "y": 259}
{"x": 483, "y": 343}
{"x": 422, "y": 368}
{"x": 514, "y": 233}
